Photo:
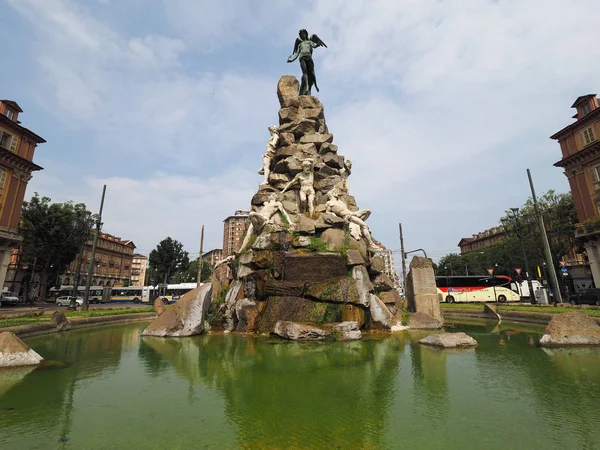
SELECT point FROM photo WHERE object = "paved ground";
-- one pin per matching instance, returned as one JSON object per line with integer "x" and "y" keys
{"x": 51, "y": 307}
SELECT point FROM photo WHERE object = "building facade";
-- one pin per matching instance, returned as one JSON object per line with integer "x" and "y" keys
{"x": 234, "y": 231}
{"x": 17, "y": 147}
{"x": 112, "y": 263}
{"x": 213, "y": 257}
{"x": 139, "y": 263}
{"x": 580, "y": 147}
{"x": 484, "y": 239}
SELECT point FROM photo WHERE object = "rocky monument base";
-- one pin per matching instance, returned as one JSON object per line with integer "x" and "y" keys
{"x": 308, "y": 257}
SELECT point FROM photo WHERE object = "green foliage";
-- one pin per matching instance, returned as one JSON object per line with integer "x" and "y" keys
{"x": 215, "y": 305}
{"x": 560, "y": 219}
{"x": 189, "y": 274}
{"x": 52, "y": 234}
{"x": 590, "y": 224}
{"x": 167, "y": 259}
{"x": 36, "y": 318}
{"x": 317, "y": 245}
{"x": 346, "y": 244}
{"x": 404, "y": 319}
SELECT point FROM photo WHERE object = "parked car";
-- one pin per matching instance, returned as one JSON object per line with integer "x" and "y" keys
{"x": 8, "y": 298}
{"x": 589, "y": 296}
{"x": 66, "y": 300}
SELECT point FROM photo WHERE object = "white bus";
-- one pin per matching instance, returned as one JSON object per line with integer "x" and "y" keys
{"x": 169, "y": 293}
{"x": 476, "y": 289}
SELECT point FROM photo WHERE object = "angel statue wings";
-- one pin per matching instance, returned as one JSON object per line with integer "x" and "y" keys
{"x": 303, "y": 49}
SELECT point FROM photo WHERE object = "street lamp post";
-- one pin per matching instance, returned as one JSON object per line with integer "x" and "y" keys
{"x": 519, "y": 232}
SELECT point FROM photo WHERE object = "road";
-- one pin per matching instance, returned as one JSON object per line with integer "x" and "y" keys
{"x": 51, "y": 307}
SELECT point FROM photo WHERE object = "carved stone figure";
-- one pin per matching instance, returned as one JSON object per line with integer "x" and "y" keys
{"x": 303, "y": 49}
{"x": 339, "y": 208}
{"x": 345, "y": 173}
{"x": 269, "y": 153}
{"x": 306, "y": 179}
{"x": 258, "y": 220}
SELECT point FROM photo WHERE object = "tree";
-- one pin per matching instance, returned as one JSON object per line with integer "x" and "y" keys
{"x": 52, "y": 234}
{"x": 167, "y": 259}
{"x": 560, "y": 218}
{"x": 191, "y": 272}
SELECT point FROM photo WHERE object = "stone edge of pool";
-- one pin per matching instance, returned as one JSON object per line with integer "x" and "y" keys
{"x": 83, "y": 322}
{"x": 79, "y": 322}
{"x": 512, "y": 316}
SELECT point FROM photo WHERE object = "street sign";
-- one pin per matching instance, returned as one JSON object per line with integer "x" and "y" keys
{"x": 564, "y": 271}
{"x": 562, "y": 263}
{"x": 518, "y": 270}
{"x": 491, "y": 271}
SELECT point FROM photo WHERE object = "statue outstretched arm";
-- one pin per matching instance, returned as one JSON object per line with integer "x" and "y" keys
{"x": 296, "y": 53}
{"x": 291, "y": 183}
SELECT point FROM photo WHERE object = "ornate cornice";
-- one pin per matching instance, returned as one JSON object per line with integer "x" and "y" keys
{"x": 579, "y": 158}
{"x": 16, "y": 162}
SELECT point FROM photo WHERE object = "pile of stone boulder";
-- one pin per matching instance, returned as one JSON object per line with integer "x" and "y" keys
{"x": 320, "y": 268}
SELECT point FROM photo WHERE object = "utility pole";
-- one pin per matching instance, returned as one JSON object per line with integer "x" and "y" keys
{"x": 73, "y": 303}
{"x": 200, "y": 257}
{"x": 547, "y": 252}
{"x": 88, "y": 282}
{"x": 403, "y": 255}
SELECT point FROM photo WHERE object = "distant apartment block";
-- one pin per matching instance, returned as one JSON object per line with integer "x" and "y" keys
{"x": 213, "y": 257}
{"x": 234, "y": 230}
{"x": 139, "y": 263}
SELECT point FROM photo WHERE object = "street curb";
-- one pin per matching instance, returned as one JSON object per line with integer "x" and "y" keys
{"x": 76, "y": 323}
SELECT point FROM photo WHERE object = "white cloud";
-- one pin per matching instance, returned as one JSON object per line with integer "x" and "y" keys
{"x": 439, "y": 104}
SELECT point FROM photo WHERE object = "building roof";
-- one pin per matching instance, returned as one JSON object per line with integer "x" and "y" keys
{"x": 12, "y": 103}
{"x": 30, "y": 134}
{"x": 214, "y": 250}
{"x": 582, "y": 99}
{"x": 139, "y": 255}
{"x": 577, "y": 123}
{"x": 465, "y": 241}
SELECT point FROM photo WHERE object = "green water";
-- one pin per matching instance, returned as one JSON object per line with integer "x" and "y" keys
{"x": 231, "y": 391}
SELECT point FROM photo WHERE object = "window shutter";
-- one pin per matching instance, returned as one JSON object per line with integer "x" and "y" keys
{"x": 13, "y": 144}
{"x": 591, "y": 134}
{"x": 593, "y": 175}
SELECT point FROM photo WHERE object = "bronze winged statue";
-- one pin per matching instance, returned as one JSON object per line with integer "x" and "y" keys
{"x": 303, "y": 49}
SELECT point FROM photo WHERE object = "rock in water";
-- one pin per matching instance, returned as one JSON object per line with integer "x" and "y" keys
{"x": 59, "y": 319}
{"x": 14, "y": 352}
{"x": 423, "y": 321}
{"x": 185, "y": 318}
{"x": 449, "y": 340}
{"x": 575, "y": 328}
{"x": 298, "y": 332}
{"x": 421, "y": 290}
{"x": 349, "y": 331}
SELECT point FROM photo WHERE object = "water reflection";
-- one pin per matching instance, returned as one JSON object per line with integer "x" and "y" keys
{"x": 267, "y": 382}
{"x": 230, "y": 391}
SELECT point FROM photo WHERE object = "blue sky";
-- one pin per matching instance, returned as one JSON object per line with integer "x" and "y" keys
{"x": 441, "y": 106}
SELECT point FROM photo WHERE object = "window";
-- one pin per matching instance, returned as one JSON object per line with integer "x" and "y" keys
{"x": 585, "y": 109}
{"x": 8, "y": 141}
{"x": 595, "y": 174}
{"x": 588, "y": 136}
{"x": 9, "y": 113}
{"x": 2, "y": 180}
